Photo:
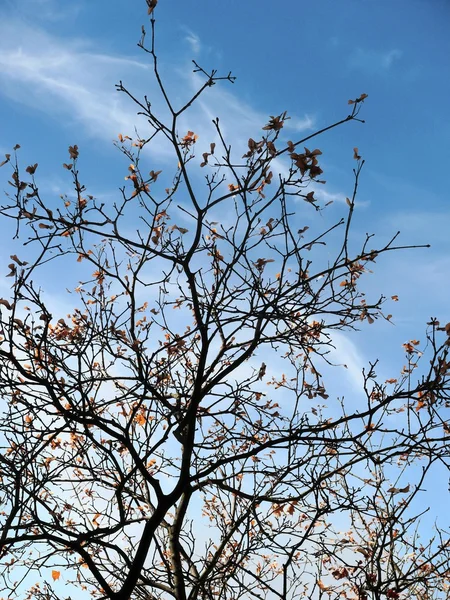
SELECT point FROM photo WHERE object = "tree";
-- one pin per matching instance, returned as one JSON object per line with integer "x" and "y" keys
{"x": 148, "y": 451}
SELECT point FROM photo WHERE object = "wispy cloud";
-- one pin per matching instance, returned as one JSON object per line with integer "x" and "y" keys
{"x": 193, "y": 40}
{"x": 71, "y": 81}
{"x": 325, "y": 197}
{"x": 65, "y": 79}
{"x": 347, "y": 354}
{"x": 374, "y": 60}
{"x": 43, "y": 10}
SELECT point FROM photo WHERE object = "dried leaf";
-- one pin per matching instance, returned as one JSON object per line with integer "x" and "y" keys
{"x": 5, "y": 303}
{"x": 322, "y": 586}
{"x": 403, "y": 490}
{"x": 73, "y": 152}
{"x": 17, "y": 260}
{"x": 151, "y": 5}
{"x": 31, "y": 169}
{"x": 7, "y": 157}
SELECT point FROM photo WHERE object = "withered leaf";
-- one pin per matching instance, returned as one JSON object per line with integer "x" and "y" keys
{"x": 31, "y": 169}
{"x": 73, "y": 152}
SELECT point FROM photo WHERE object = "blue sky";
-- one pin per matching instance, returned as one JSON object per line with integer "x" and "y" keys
{"x": 59, "y": 62}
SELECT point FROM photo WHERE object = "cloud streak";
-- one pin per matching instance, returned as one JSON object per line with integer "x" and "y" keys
{"x": 65, "y": 79}
{"x": 374, "y": 61}
{"x": 69, "y": 80}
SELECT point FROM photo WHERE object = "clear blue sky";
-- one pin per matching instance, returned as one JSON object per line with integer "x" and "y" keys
{"x": 59, "y": 62}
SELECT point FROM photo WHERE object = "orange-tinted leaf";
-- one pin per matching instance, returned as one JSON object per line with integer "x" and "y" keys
{"x": 56, "y": 575}
{"x": 277, "y": 510}
{"x": 322, "y": 586}
{"x": 140, "y": 419}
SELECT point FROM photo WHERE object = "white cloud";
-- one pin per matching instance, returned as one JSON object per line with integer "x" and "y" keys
{"x": 347, "y": 353}
{"x": 44, "y": 10}
{"x": 66, "y": 79}
{"x": 69, "y": 80}
{"x": 193, "y": 40}
{"x": 325, "y": 197}
{"x": 374, "y": 60}
{"x": 390, "y": 57}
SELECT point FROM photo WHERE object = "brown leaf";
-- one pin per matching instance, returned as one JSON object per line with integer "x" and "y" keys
{"x": 31, "y": 169}
{"x": 261, "y": 263}
{"x": 275, "y": 123}
{"x": 17, "y": 260}
{"x": 73, "y": 152}
{"x": 154, "y": 174}
{"x": 13, "y": 270}
{"x": 5, "y": 303}
{"x": 356, "y": 156}
{"x": 151, "y": 5}
{"x": 403, "y": 490}
{"x": 7, "y": 157}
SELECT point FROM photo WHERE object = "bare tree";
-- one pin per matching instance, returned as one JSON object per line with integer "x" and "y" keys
{"x": 150, "y": 445}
